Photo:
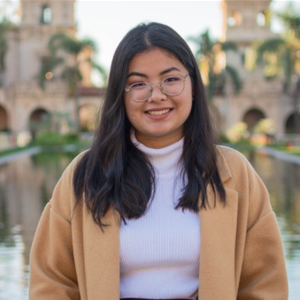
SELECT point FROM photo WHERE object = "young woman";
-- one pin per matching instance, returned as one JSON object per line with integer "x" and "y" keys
{"x": 154, "y": 209}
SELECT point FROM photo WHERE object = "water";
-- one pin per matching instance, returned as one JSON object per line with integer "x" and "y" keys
{"x": 27, "y": 184}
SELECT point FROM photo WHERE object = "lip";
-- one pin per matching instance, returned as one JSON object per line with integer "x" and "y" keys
{"x": 159, "y": 117}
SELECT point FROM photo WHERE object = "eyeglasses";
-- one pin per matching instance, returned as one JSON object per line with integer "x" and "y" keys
{"x": 172, "y": 86}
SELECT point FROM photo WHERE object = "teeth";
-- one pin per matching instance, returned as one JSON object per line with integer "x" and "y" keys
{"x": 158, "y": 112}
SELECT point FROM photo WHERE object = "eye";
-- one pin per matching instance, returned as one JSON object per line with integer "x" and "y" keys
{"x": 172, "y": 79}
{"x": 138, "y": 85}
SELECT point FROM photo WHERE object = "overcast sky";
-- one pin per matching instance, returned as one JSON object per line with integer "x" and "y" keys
{"x": 108, "y": 21}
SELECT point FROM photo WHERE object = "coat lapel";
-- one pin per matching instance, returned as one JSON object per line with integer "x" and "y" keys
{"x": 101, "y": 258}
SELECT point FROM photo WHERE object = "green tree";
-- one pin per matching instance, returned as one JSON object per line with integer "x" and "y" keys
{"x": 5, "y": 26}
{"x": 281, "y": 55}
{"x": 207, "y": 53}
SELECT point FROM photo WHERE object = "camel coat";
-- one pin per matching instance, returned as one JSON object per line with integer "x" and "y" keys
{"x": 241, "y": 253}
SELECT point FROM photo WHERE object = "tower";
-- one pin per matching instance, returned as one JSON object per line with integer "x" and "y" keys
{"x": 244, "y": 23}
{"x": 40, "y": 19}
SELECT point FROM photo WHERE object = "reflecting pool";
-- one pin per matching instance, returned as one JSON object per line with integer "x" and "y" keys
{"x": 27, "y": 184}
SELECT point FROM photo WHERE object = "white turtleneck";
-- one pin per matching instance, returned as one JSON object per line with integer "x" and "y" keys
{"x": 159, "y": 252}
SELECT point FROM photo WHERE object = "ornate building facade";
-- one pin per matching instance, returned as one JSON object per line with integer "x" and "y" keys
{"x": 246, "y": 23}
{"x": 22, "y": 101}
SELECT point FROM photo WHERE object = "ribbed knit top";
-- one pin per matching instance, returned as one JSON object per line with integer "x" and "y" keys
{"x": 159, "y": 252}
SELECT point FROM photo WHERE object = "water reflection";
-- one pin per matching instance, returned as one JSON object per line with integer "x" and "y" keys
{"x": 26, "y": 186}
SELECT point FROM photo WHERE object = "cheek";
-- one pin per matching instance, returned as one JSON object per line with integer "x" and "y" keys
{"x": 131, "y": 111}
{"x": 128, "y": 108}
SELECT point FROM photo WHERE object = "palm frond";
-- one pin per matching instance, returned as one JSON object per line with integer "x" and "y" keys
{"x": 226, "y": 46}
{"x": 87, "y": 42}
{"x": 271, "y": 46}
{"x": 234, "y": 77}
{"x": 291, "y": 19}
{"x": 64, "y": 42}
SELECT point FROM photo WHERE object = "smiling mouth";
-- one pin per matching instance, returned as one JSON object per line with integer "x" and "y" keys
{"x": 158, "y": 112}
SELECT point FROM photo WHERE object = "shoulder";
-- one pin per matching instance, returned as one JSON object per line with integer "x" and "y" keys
{"x": 232, "y": 163}
{"x": 230, "y": 154}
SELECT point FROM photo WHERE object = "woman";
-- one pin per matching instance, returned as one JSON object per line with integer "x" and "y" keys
{"x": 155, "y": 210}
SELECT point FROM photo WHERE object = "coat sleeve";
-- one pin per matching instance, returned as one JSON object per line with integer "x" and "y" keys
{"x": 52, "y": 267}
{"x": 263, "y": 274}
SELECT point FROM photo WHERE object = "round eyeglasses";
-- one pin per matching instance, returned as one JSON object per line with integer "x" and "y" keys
{"x": 171, "y": 86}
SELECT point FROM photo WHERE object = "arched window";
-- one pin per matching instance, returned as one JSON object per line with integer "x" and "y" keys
{"x": 3, "y": 119}
{"x": 234, "y": 18}
{"x": 261, "y": 19}
{"x": 46, "y": 15}
{"x": 292, "y": 124}
{"x": 252, "y": 117}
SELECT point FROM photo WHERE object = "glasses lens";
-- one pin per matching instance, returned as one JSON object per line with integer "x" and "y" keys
{"x": 173, "y": 85}
{"x": 140, "y": 91}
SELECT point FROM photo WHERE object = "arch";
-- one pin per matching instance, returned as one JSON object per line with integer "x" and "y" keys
{"x": 3, "y": 119}
{"x": 261, "y": 19}
{"x": 292, "y": 124}
{"x": 88, "y": 117}
{"x": 39, "y": 119}
{"x": 46, "y": 17}
{"x": 252, "y": 116}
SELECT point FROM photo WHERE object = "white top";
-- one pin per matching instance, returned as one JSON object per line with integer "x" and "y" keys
{"x": 159, "y": 252}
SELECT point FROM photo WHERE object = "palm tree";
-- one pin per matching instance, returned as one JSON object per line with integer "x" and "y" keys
{"x": 281, "y": 55}
{"x": 5, "y": 26}
{"x": 207, "y": 54}
{"x": 62, "y": 47}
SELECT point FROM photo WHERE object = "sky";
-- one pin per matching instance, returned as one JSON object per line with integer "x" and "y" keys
{"x": 107, "y": 22}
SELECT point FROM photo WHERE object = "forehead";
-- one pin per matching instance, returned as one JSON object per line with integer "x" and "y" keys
{"x": 154, "y": 59}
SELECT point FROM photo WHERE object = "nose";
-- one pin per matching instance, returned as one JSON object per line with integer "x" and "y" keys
{"x": 157, "y": 93}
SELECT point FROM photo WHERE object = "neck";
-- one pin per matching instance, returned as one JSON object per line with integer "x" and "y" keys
{"x": 157, "y": 142}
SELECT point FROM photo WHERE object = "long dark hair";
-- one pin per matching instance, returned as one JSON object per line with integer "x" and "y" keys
{"x": 114, "y": 173}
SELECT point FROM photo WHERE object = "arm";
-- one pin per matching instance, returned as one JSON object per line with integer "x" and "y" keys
{"x": 52, "y": 266}
{"x": 52, "y": 269}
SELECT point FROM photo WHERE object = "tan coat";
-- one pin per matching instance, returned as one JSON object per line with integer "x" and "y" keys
{"x": 241, "y": 255}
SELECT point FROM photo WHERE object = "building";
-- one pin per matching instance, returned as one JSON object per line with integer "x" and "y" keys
{"x": 246, "y": 23}
{"x": 24, "y": 105}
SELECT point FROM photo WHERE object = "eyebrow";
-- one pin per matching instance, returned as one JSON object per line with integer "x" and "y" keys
{"x": 145, "y": 76}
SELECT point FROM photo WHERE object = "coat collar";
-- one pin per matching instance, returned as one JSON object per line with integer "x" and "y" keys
{"x": 222, "y": 165}
{"x": 218, "y": 226}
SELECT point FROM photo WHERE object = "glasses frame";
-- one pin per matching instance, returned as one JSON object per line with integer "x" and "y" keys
{"x": 127, "y": 89}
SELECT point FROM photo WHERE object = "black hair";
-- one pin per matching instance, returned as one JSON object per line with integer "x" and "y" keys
{"x": 114, "y": 173}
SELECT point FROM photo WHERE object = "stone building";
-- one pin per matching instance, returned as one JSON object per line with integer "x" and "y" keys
{"x": 246, "y": 23}
{"x": 23, "y": 103}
